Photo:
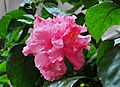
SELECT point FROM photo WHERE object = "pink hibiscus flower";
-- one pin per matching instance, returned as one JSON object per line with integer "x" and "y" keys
{"x": 51, "y": 40}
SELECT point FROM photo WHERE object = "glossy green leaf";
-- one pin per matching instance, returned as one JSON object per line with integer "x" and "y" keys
{"x": 3, "y": 67}
{"x": 50, "y": 1}
{"x": 100, "y": 17}
{"x": 4, "y": 22}
{"x": 103, "y": 48}
{"x": 53, "y": 9}
{"x": 12, "y": 37}
{"x": 20, "y": 69}
{"x": 89, "y": 3}
{"x": 80, "y": 19}
{"x": 4, "y": 79}
{"x": 45, "y": 14}
{"x": 13, "y": 33}
{"x": 92, "y": 51}
{"x": 109, "y": 68}
{"x": 68, "y": 82}
{"x": 76, "y": 3}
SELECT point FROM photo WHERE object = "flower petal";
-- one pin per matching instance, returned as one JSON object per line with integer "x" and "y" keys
{"x": 76, "y": 58}
{"x": 50, "y": 71}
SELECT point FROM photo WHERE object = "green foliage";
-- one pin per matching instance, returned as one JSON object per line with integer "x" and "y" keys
{"x": 4, "y": 22}
{"x": 4, "y": 79}
{"x": 102, "y": 60}
{"x": 20, "y": 69}
{"x": 91, "y": 51}
{"x": 100, "y": 17}
{"x": 80, "y": 19}
{"x": 3, "y": 66}
{"x": 63, "y": 1}
{"x": 103, "y": 48}
{"x": 109, "y": 68}
{"x": 89, "y": 3}
{"x": 45, "y": 14}
{"x": 53, "y": 9}
{"x": 68, "y": 82}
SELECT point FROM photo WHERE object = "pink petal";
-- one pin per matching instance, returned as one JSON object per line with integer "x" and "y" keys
{"x": 50, "y": 71}
{"x": 76, "y": 58}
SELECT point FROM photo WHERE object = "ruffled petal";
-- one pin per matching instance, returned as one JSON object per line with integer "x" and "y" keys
{"x": 51, "y": 71}
{"x": 75, "y": 57}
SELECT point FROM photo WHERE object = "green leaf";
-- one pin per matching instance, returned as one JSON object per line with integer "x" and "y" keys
{"x": 6, "y": 85}
{"x": 53, "y": 9}
{"x": 5, "y": 53}
{"x": 89, "y": 3}
{"x": 103, "y": 48}
{"x": 76, "y": 3}
{"x": 4, "y": 22}
{"x": 80, "y": 19}
{"x": 45, "y": 14}
{"x": 68, "y": 82}
{"x": 92, "y": 51}
{"x": 20, "y": 69}
{"x": 63, "y": 1}
{"x": 11, "y": 37}
{"x": 50, "y": 1}
{"x": 4, "y": 79}
{"x": 109, "y": 68}
{"x": 100, "y": 17}
{"x": 3, "y": 67}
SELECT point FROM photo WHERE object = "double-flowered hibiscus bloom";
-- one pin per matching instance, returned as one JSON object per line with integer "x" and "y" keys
{"x": 52, "y": 40}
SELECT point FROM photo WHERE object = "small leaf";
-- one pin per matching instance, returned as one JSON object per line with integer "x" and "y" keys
{"x": 100, "y": 17}
{"x": 68, "y": 82}
{"x": 12, "y": 37}
{"x": 53, "y": 9}
{"x": 45, "y": 14}
{"x": 20, "y": 69}
{"x": 3, "y": 67}
{"x": 5, "y": 53}
{"x": 109, "y": 68}
{"x": 4, "y": 79}
{"x": 92, "y": 51}
{"x": 80, "y": 19}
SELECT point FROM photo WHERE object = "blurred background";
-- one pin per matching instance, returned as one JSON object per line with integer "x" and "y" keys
{"x": 9, "y": 5}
